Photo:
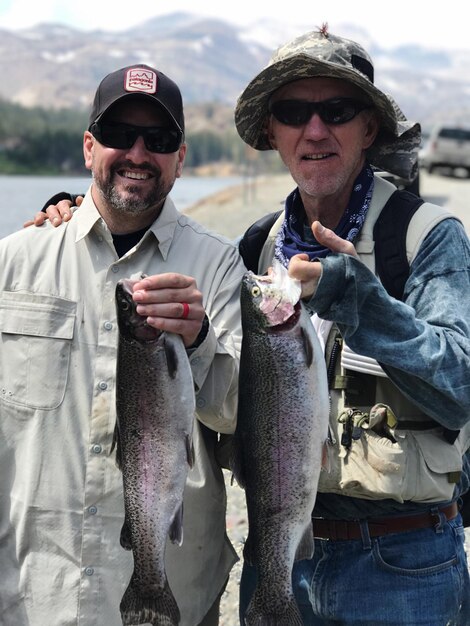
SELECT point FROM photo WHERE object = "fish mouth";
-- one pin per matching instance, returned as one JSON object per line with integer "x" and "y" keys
{"x": 145, "y": 333}
{"x": 289, "y": 323}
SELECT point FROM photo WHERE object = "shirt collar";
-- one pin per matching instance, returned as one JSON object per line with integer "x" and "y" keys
{"x": 86, "y": 217}
{"x": 163, "y": 228}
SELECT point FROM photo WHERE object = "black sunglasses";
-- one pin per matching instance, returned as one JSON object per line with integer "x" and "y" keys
{"x": 332, "y": 111}
{"x": 122, "y": 136}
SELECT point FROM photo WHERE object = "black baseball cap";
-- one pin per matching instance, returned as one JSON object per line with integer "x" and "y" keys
{"x": 142, "y": 81}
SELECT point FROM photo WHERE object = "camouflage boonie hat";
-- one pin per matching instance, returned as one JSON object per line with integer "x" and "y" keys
{"x": 318, "y": 53}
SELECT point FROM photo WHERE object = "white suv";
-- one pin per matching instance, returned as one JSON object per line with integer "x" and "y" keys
{"x": 448, "y": 146}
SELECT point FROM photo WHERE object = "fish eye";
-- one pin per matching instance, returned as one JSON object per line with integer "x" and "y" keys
{"x": 255, "y": 291}
{"x": 125, "y": 306}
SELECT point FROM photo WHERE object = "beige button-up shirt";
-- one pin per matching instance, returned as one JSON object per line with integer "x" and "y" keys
{"x": 61, "y": 504}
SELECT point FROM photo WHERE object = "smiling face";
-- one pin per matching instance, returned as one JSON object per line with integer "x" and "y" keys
{"x": 323, "y": 159}
{"x": 130, "y": 184}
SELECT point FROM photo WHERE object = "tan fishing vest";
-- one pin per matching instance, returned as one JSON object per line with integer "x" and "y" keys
{"x": 380, "y": 444}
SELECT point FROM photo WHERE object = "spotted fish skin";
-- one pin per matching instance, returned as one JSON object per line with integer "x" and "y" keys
{"x": 155, "y": 414}
{"x": 282, "y": 426}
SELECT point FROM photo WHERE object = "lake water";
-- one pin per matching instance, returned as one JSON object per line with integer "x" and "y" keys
{"x": 22, "y": 196}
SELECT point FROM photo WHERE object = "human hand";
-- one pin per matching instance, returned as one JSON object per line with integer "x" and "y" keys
{"x": 171, "y": 302}
{"x": 55, "y": 213}
{"x": 308, "y": 272}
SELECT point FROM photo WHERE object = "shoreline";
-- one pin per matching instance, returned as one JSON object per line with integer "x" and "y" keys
{"x": 232, "y": 210}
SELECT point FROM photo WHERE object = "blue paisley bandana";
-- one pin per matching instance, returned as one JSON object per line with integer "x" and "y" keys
{"x": 295, "y": 236}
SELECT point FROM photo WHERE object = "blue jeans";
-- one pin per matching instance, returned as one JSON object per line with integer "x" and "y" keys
{"x": 414, "y": 578}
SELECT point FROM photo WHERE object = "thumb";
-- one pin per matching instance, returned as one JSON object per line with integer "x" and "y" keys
{"x": 328, "y": 238}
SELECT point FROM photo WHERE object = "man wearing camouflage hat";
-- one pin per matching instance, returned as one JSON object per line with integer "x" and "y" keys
{"x": 389, "y": 539}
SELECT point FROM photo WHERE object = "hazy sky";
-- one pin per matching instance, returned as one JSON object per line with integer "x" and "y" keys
{"x": 443, "y": 25}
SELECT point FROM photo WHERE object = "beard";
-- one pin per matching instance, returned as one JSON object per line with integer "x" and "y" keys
{"x": 128, "y": 198}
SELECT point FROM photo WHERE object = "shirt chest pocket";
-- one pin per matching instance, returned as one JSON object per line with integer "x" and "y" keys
{"x": 36, "y": 334}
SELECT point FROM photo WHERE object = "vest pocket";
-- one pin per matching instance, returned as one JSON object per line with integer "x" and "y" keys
{"x": 373, "y": 467}
{"x": 418, "y": 466}
{"x": 434, "y": 466}
{"x": 36, "y": 334}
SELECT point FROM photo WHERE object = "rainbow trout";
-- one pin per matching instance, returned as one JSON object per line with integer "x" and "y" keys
{"x": 155, "y": 414}
{"x": 282, "y": 426}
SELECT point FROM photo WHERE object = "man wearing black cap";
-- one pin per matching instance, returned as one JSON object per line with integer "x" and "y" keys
{"x": 61, "y": 505}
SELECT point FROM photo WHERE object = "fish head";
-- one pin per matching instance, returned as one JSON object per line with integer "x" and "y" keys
{"x": 250, "y": 301}
{"x": 131, "y": 324}
{"x": 269, "y": 300}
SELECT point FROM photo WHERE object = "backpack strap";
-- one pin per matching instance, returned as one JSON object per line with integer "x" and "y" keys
{"x": 421, "y": 224}
{"x": 398, "y": 233}
{"x": 397, "y": 238}
{"x": 253, "y": 240}
{"x": 390, "y": 232}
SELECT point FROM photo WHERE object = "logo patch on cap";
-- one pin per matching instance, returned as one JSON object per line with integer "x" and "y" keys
{"x": 140, "y": 79}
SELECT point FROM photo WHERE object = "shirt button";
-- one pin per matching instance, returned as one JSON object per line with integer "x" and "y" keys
{"x": 89, "y": 571}
{"x": 103, "y": 385}
{"x": 115, "y": 269}
{"x": 200, "y": 403}
{"x": 108, "y": 326}
{"x": 96, "y": 448}
{"x": 92, "y": 510}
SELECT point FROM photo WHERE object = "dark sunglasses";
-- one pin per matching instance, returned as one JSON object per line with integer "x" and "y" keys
{"x": 332, "y": 111}
{"x": 122, "y": 136}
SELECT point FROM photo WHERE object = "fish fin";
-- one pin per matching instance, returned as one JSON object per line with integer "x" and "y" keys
{"x": 257, "y": 616}
{"x": 158, "y": 609}
{"x": 125, "y": 539}
{"x": 248, "y": 553}
{"x": 171, "y": 358}
{"x": 308, "y": 347}
{"x": 175, "y": 532}
{"x": 117, "y": 444}
{"x": 238, "y": 476}
{"x": 189, "y": 450}
{"x": 306, "y": 547}
{"x": 236, "y": 463}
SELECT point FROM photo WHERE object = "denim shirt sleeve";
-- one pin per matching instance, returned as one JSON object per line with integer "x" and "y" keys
{"x": 423, "y": 343}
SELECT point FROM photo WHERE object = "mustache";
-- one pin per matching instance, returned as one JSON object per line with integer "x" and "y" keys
{"x": 128, "y": 165}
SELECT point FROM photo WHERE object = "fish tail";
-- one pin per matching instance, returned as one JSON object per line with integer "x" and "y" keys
{"x": 158, "y": 609}
{"x": 258, "y": 615}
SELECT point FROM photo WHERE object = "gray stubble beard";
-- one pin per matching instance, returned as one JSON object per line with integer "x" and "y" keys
{"x": 133, "y": 202}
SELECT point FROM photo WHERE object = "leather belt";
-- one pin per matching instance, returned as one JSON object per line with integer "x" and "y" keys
{"x": 341, "y": 530}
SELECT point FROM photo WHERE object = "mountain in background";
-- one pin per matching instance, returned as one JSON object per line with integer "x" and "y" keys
{"x": 54, "y": 66}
